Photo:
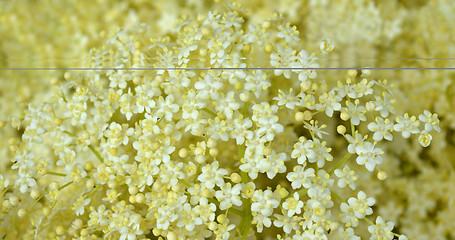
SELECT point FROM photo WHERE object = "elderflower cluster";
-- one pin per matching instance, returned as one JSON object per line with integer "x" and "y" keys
{"x": 195, "y": 154}
{"x": 226, "y": 154}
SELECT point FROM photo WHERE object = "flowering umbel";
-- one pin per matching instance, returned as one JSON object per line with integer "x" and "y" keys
{"x": 228, "y": 152}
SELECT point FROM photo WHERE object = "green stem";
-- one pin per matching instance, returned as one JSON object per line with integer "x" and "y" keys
{"x": 337, "y": 196}
{"x": 368, "y": 221}
{"x": 64, "y": 186}
{"x": 343, "y": 160}
{"x": 56, "y": 174}
{"x": 72, "y": 135}
{"x": 209, "y": 112}
{"x": 236, "y": 211}
{"x": 245, "y": 107}
{"x": 245, "y": 223}
{"x": 92, "y": 148}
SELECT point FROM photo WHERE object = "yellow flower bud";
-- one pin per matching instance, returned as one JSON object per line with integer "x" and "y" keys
{"x": 341, "y": 129}
{"x": 236, "y": 178}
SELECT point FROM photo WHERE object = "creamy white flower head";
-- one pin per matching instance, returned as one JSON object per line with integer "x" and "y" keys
{"x": 369, "y": 155}
{"x": 261, "y": 220}
{"x": 355, "y": 141}
{"x": 283, "y": 58}
{"x": 318, "y": 152}
{"x": 361, "y": 204}
{"x": 300, "y": 177}
{"x": 229, "y": 196}
{"x": 407, "y": 125}
{"x": 431, "y": 121}
{"x": 381, "y": 128}
{"x": 355, "y": 112}
{"x": 381, "y": 230}
{"x": 293, "y": 205}
{"x": 264, "y": 202}
{"x": 227, "y": 104}
{"x": 79, "y": 205}
{"x": 425, "y": 139}
{"x": 329, "y": 102}
{"x": 212, "y": 174}
{"x": 347, "y": 177}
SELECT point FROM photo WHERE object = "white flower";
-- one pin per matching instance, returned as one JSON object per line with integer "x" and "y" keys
{"x": 319, "y": 152}
{"x": 355, "y": 112}
{"x": 384, "y": 104}
{"x": 166, "y": 215}
{"x": 301, "y": 149}
{"x": 209, "y": 86}
{"x": 326, "y": 45}
{"x": 348, "y": 215}
{"x": 191, "y": 106}
{"x": 354, "y": 142}
{"x": 345, "y": 234}
{"x": 381, "y": 129}
{"x": 166, "y": 107}
{"x": 315, "y": 129}
{"x": 329, "y": 102}
{"x": 117, "y": 134}
{"x": 361, "y": 205}
{"x": 293, "y": 205}
{"x": 79, "y": 205}
{"x": 287, "y": 223}
{"x": 212, "y": 174}
{"x": 3, "y": 182}
{"x": 252, "y": 164}
{"x": 290, "y": 100}
{"x": 227, "y": 104}
{"x": 188, "y": 217}
{"x": 229, "y": 196}
{"x": 300, "y": 177}
{"x": 431, "y": 121}
{"x": 381, "y": 230}
{"x": 257, "y": 83}
{"x": 77, "y": 111}
{"x": 282, "y": 58}
{"x": 406, "y": 125}
{"x": 127, "y": 104}
{"x": 240, "y": 130}
{"x": 218, "y": 129}
{"x": 288, "y": 33}
{"x": 347, "y": 177}
{"x": 275, "y": 164}
{"x": 305, "y": 61}
{"x": 369, "y": 155}
{"x": 261, "y": 220}
{"x": 111, "y": 195}
{"x": 118, "y": 78}
{"x": 425, "y": 139}
{"x": 264, "y": 202}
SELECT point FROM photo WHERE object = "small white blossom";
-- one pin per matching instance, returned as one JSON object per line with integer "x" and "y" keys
{"x": 347, "y": 177}
{"x": 381, "y": 230}
{"x": 381, "y": 128}
{"x": 212, "y": 174}
{"x": 264, "y": 202}
{"x": 369, "y": 155}
{"x": 300, "y": 177}
{"x": 431, "y": 121}
{"x": 229, "y": 196}
{"x": 407, "y": 125}
{"x": 293, "y": 205}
